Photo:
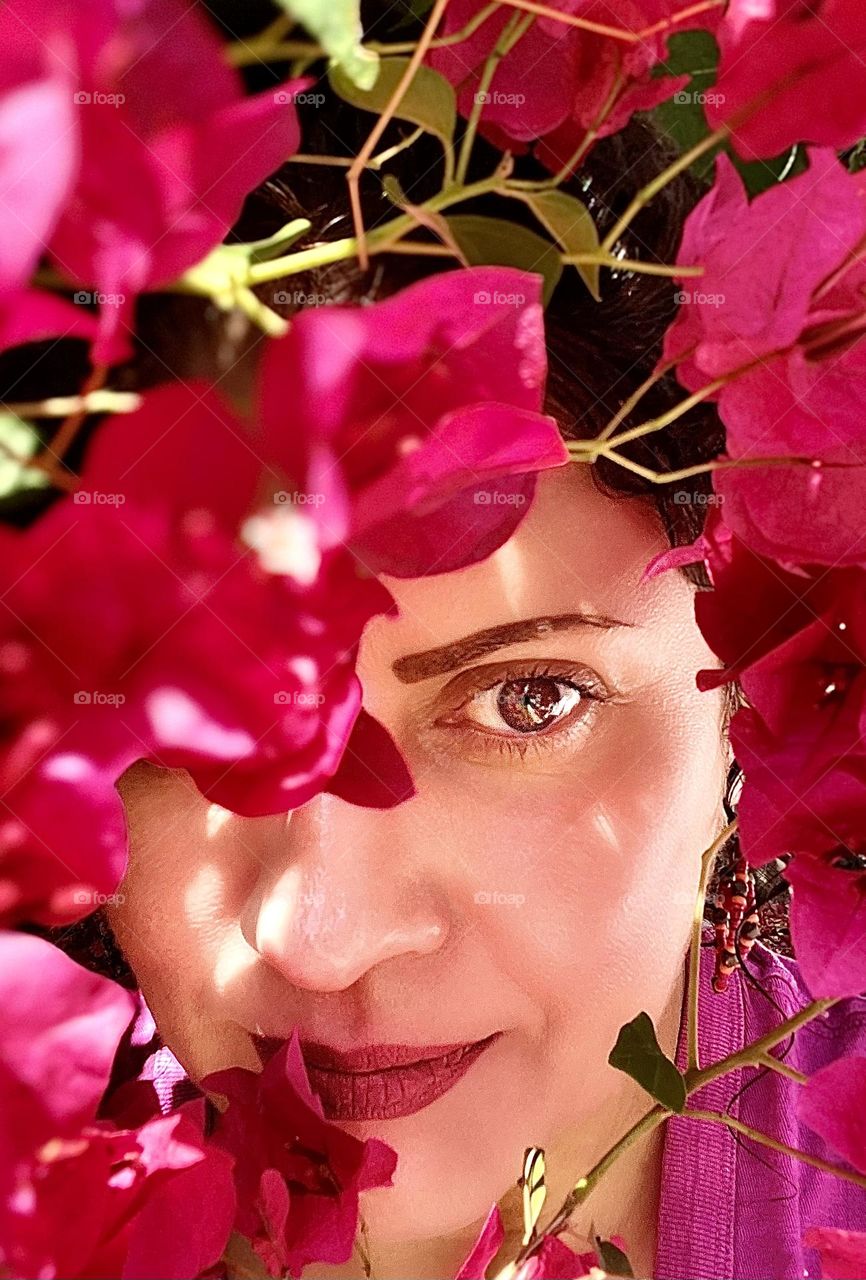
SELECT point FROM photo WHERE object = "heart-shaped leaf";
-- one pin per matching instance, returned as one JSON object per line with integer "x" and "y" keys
{"x": 572, "y": 226}
{"x": 638, "y": 1053}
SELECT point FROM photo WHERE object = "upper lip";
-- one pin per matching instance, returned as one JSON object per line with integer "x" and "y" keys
{"x": 372, "y": 1057}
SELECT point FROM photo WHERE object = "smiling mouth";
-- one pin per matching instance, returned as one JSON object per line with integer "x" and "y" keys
{"x": 382, "y": 1082}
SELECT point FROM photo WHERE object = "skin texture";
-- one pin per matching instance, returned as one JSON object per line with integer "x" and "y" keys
{"x": 541, "y": 883}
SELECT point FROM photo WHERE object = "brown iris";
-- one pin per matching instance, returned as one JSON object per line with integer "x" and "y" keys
{"x": 529, "y": 705}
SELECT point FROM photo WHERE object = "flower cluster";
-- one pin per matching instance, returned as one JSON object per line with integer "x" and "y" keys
{"x": 196, "y": 594}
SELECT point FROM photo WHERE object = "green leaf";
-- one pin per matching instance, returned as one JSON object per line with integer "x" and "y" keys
{"x": 571, "y": 224}
{"x": 614, "y": 1262}
{"x": 638, "y": 1053}
{"x": 336, "y": 24}
{"x": 495, "y": 242}
{"x": 429, "y": 101}
{"x": 19, "y": 438}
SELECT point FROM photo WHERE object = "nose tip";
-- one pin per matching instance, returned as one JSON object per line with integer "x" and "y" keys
{"x": 339, "y": 901}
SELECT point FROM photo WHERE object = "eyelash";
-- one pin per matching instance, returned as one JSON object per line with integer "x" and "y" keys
{"x": 592, "y": 692}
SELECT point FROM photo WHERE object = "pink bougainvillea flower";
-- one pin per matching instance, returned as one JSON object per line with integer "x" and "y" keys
{"x": 418, "y": 420}
{"x": 842, "y": 1253}
{"x": 485, "y": 1249}
{"x": 150, "y": 194}
{"x": 828, "y": 921}
{"x": 831, "y": 1105}
{"x": 298, "y": 1176}
{"x": 80, "y": 1197}
{"x": 781, "y": 301}
{"x": 239, "y": 671}
{"x": 59, "y": 1030}
{"x": 785, "y": 809}
{"x": 555, "y": 1261}
{"x": 39, "y": 153}
{"x": 763, "y": 263}
{"x": 790, "y": 72}
{"x": 590, "y": 77}
{"x": 155, "y": 1201}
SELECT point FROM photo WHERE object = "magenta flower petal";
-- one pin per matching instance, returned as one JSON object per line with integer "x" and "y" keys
{"x": 842, "y": 1253}
{"x": 789, "y": 73}
{"x": 482, "y": 1253}
{"x": 588, "y": 75}
{"x": 274, "y": 1122}
{"x": 555, "y": 1261}
{"x": 39, "y": 146}
{"x": 454, "y": 501}
{"x": 828, "y": 926}
{"x": 413, "y": 403}
{"x": 59, "y": 1027}
{"x": 153, "y": 195}
{"x": 31, "y": 315}
{"x": 371, "y": 771}
{"x": 762, "y": 263}
{"x": 831, "y": 1104}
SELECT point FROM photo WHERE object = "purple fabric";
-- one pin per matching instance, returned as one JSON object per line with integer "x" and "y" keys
{"x": 731, "y": 1209}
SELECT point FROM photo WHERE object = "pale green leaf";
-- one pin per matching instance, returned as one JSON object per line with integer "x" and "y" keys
{"x": 18, "y": 438}
{"x": 429, "y": 101}
{"x": 496, "y": 242}
{"x": 336, "y": 24}
{"x": 572, "y": 226}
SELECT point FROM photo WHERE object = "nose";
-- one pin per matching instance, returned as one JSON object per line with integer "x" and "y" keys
{"x": 341, "y": 894}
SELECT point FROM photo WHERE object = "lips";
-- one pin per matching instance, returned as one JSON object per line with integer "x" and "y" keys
{"x": 384, "y": 1081}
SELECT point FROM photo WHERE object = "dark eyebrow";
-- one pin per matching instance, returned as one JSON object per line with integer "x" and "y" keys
{"x": 413, "y": 667}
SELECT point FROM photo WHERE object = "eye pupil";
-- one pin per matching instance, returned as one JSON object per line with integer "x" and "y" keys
{"x": 529, "y": 705}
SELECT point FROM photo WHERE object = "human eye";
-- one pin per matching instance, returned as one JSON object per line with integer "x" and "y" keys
{"x": 509, "y": 709}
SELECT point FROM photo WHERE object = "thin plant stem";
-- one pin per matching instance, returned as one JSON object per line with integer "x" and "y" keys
{"x": 367, "y": 150}
{"x": 53, "y": 453}
{"x": 729, "y": 1122}
{"x": 615, "y": 33}
{"x": 651, "y": 190}
{"x": 631, "y": 264}
{"x": 707, "y": 860}
{"x": 751, "y": 1055}
{"x": 516, "y": 27}
{"x": 104, "y": 401}
{"x": 379, "y": 241}
{"x": 587, "y": 451}
{"x": 783, "y": 1068}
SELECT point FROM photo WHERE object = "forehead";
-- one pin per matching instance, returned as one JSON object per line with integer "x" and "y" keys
{"x": 578, "y": 549}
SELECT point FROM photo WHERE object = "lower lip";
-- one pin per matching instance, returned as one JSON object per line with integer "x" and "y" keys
{"x": 392, "y": 1092}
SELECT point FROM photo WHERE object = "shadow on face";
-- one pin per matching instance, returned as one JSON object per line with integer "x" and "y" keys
{"x": 535, "y": 893}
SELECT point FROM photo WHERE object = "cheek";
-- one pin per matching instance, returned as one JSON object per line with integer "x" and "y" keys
{"x": 585, "y": 875}
{"x": 191, "y": 868}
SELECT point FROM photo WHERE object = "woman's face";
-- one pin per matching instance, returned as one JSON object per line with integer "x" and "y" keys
{"x": 535, "y": 894}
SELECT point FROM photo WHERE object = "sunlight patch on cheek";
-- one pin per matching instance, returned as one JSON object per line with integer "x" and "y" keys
{"x": 606, "y": 830}
{"x": 215, "y": 820}
{"x": 233, "y": 961}
{"x": 204, "y": 896}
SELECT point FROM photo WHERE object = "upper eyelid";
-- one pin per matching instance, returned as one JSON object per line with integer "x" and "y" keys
{"x": 459, "y": 689}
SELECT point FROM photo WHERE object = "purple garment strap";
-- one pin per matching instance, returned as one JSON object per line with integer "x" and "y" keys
{"x": 699, "y": 1168}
